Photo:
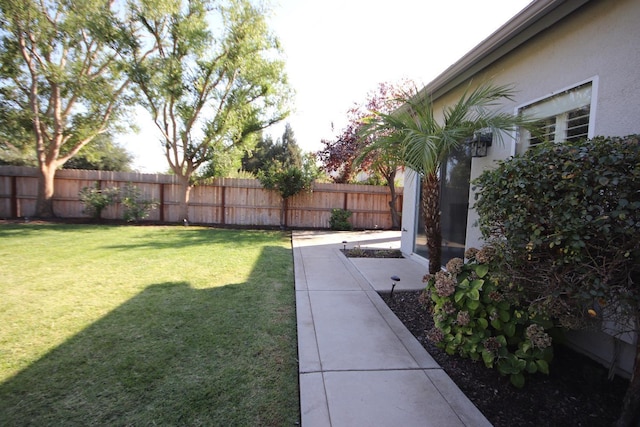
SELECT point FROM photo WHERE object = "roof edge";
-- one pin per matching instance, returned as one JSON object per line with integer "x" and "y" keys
{"x": 533, "y": 19}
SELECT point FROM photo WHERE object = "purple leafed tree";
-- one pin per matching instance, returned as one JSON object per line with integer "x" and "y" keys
{"x": 344, "y": 158}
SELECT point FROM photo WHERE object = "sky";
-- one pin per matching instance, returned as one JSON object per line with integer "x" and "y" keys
{"x": 337, "y": 51}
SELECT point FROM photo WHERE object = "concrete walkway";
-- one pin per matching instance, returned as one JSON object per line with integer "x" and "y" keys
{"x": 358, "y": 364}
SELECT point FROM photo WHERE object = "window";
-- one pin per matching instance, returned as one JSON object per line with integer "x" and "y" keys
{"x": 562, "y": 117}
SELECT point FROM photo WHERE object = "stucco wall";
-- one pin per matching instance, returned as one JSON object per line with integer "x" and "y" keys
{"x": 600, "y": 42}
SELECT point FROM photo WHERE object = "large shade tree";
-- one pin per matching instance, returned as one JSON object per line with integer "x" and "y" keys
{"x": 425, "y": 143}
{"x": 61, "y": 72}
{"x": 213, "y": 81}
{"x": 17, "y": 144}
{"x": 102, "y": 154}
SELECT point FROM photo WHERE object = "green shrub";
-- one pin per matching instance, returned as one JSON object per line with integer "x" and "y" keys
{"x": 95, "y": 200}
{"x": 135, "y": 207}
{"x": 565, "y": 219}
{"x": 373, "y": 179}
{"x": 478, "y": 317}
{"x": 287, "y": 180}
{"x": 339, "y": 220}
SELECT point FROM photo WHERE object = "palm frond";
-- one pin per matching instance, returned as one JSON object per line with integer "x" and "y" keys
{"x": 475, "y": 105}
{"x": 425, "y": 142}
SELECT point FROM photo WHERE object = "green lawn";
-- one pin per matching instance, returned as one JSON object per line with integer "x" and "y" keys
{"x": 125, "y": 325}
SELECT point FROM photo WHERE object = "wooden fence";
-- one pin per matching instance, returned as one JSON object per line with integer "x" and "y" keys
{"x": 226, "y": 201}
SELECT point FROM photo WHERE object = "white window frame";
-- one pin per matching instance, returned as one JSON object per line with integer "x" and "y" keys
{"x": 522, "y": 143}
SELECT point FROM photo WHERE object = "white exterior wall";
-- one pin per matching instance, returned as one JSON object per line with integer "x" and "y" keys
{"x": 599, "y": 42}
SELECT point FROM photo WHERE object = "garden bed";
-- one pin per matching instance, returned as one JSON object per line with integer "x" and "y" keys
{"x": 575, "y": 393}
{"x": 372, "y": 253}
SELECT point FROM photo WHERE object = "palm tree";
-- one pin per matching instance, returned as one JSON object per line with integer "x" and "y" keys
{"x": 425, "y": 143}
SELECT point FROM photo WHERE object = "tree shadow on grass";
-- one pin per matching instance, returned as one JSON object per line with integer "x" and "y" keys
{"x": 171, "y": 355}
{"x": 150, "y": 236}
{"x": 197, "y": 236}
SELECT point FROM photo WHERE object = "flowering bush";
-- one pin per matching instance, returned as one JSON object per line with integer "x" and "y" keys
{"x": 478, "y": 317}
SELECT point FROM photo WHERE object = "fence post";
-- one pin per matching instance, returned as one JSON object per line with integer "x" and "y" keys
{"x": 223, "y": 213}
{"x": 14, "y": 197}
{"x": 286, "y": 211}
{"x": 161, "y": 202}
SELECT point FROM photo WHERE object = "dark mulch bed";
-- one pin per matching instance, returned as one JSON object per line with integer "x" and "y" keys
{"x": 372, "y": 253}
{"x": 576, "y": 393}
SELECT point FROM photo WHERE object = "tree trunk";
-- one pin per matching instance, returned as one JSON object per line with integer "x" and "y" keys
{"x": 431, "y": 217}
{"x": 44, "y": 202}
{"x": 283, "y": 213}
{"x": 185, "y": 188}
{"x": 395, "y": 216}
{"x": 631, "y": 402}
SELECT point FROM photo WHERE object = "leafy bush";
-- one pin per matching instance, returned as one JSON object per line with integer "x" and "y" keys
{"x": 339, "y": 220}
{"x": 95, "y": 200}
{"x": 565, "y": 219}
{"x": 373, "y": 179}
{"x": 135, "y": 207}
{"x": 479, "y": 317}
{"x": 287, "y": 180}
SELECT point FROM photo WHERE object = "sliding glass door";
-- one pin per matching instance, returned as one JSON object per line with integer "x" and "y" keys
{"x": 455, "y": 174}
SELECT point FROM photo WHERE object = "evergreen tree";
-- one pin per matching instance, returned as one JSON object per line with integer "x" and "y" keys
{"x": 285, "y": 151}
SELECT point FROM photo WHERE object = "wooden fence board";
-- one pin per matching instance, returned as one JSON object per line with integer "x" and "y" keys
{"x": 224, "y": 201}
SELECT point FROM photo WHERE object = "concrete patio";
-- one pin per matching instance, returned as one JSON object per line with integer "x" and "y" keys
{"x": 358, "y": 364}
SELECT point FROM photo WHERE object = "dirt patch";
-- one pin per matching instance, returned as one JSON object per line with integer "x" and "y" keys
{"x": 575, "y": 393}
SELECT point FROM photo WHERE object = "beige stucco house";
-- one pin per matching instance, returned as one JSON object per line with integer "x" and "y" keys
{"x": 573, "y": 63}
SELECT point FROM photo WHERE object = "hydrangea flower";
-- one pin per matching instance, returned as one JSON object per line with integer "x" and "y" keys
{"x": 485, "y": 254}
{"x": 435, "y": 335}
{"x": 454, "y": 266}
{"x": 445, "y": 284}
{"x": 463, "y": 318}
{"x": 449, "y": 308}
{"x": 470, "y": 254}
{"x": 425, "y": 299}
{"x": 538, "y": 337}
{"x": 492, "y": 345}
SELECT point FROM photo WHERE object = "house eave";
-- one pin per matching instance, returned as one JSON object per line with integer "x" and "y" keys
{"x": 532, "y": 20}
